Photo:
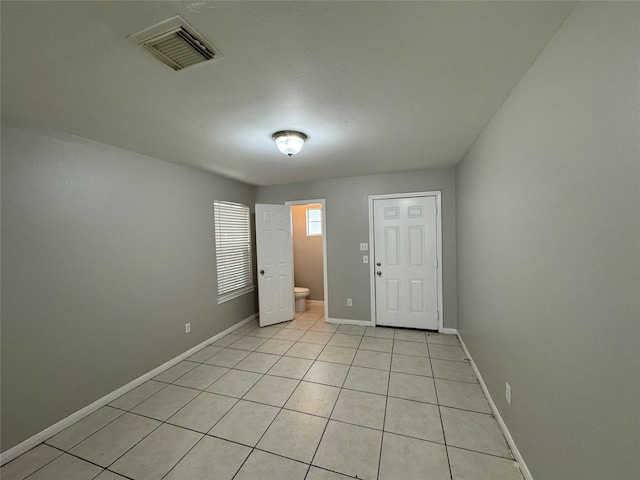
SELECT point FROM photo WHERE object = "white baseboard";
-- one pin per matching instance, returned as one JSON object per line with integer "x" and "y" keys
{"x": 449, "y": 331}
{"x": 362, "y": 323}
{"x": 368, "y": 323}
{"x": 44, "y": 435}
{"x": 314, "y": 303}
{"x": 503, "y": 426}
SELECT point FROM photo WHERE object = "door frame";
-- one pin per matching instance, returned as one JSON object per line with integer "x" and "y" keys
{"x": 320, "y": 201}
{"x": 438, "y": 196}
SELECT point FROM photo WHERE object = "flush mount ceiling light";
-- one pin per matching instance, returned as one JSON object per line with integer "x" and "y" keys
{"x": 289, "y": 142}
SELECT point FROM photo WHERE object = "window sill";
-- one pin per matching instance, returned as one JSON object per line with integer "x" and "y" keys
{"x": 235, "y": 294}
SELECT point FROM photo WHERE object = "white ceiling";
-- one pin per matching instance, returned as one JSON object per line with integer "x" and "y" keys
{"x": 377, "y": 86}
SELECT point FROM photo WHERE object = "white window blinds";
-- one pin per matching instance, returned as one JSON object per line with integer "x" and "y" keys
{"x": 233, "y": 250}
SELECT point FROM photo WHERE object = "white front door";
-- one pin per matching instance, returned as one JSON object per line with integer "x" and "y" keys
{"x": 405, "y": 256}
{"x": 275, "y": 263}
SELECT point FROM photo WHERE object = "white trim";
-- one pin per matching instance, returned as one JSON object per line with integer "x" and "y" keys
{"x": 323, "y": 202}
{"x": 449, "y": 331}
{"x": 372, "y": 285}
{"x": 372, "y": 261}
{"x": 439, "y": 254}
{"x": 49, "y": 432}
{"x": 503, "y": 426}
{"x": 362, "y": 323}
{"x": 317, "y": 303}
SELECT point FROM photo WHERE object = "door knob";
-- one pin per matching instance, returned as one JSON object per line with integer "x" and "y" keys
{"x": 379, "y": 273}
{"x": 379, "y": 264}
{"x": 261, "y": 272}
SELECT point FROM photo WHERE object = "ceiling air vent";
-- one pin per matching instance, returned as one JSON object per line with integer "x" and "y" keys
{"x": 175, "y": 43}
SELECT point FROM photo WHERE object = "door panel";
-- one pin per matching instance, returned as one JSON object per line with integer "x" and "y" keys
{"x": 392, "y": 245}
{"x": 416, "y": 245}
{"x": 393, "y": 294}
{"x": 405, "y": 251}
{"x": 417, "y": 296}
{"x": 275, "y": 263}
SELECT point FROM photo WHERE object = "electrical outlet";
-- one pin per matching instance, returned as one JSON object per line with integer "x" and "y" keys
{"x": 349, "y": 302}
{"x": 507, "y": 392}
{"x": 187, "y": 327}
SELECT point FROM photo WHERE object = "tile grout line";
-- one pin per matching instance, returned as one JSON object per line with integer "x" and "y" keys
{"x": 162, "y": 422}
{"x": 444, "y": 435}
{"x": 342, "y": 388}
{"x": 132, "y": 446}
{"x": 78, "y": 443}
{"x": 115, "y": 473}
{"x": 91, "y": 435}
{"x": 41, "y": 467}
{"x": 237, "y": 399}
{"x": 254, "y": 448}
{"x": 330, "y": 413}
{"x": 386, "y": 404}
{"x": 68, "y": 451}
{"x": 262, "y": 375}
{"x": 332, "y": 409}
{"x": 184, "y": 406}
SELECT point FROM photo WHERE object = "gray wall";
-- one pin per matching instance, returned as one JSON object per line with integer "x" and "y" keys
{"x": 347, "y": 213}
{"x": 106, "y": 255}
{"x": 308, "y": 270}
{"x": 548, "y": 202}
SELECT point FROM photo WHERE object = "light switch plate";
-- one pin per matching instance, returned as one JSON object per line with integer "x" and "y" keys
{"x": 364, "y": 247}
{"x": 365, "y": 259}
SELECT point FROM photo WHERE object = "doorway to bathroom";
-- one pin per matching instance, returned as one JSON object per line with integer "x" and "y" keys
{"x": 308, "y": 230}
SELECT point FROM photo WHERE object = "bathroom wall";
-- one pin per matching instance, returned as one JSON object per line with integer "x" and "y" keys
{"x": 106, "y": 254}
{"x": 548, "y": 216}
{"x": 347, "y": 214}
{"x": 307, "y": 254}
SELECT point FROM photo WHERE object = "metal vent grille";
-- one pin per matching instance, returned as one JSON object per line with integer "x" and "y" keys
{"x": 176, "y": 44}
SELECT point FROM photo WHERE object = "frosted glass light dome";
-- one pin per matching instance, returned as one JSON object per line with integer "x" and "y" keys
{"x": 289, "y": 142}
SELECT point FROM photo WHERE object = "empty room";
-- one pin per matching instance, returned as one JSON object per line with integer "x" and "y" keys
{"x": 320, "y": 240}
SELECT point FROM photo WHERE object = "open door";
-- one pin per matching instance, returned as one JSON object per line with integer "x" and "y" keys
{"x": 274, "y": 251}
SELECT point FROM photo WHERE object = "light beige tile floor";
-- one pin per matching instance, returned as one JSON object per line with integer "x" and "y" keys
{"x": 301, "y": 400}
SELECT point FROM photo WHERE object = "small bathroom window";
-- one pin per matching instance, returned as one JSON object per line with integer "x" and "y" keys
{"x": 314, "y": 222}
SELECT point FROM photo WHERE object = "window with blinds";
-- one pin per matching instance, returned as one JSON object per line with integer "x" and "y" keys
{"x": 233, "y": 250}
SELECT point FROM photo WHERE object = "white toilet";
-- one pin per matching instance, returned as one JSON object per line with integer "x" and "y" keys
{"x": 301, "y": 295}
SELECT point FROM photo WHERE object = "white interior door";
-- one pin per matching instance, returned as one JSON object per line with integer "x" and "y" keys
{"x": 274, "y": 251}
{"x": 405, "y": 256}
